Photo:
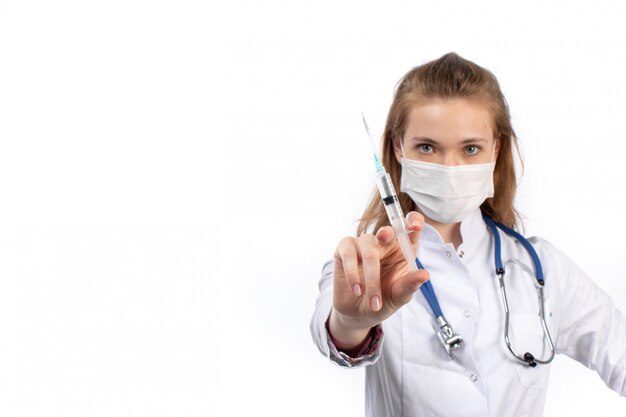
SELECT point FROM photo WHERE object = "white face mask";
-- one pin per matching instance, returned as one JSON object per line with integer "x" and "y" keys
{"x": 447, "y": 194}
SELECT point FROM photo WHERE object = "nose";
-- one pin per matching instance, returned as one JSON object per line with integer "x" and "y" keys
{"x": 450, "y": 159}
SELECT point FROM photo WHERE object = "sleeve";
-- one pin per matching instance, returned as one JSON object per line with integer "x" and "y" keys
{"x": 319, "y": 330}
{"x": 590, "y": 328}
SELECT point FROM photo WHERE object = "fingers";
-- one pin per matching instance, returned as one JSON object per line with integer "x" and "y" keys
{"x": 385, "y": 236}
{"x": 365, "y": 250}
{"x": 402, "y": 292}
{"x": 370, "y": 257}
{"x": 347, "y": 254}
{"x": 415, "y": 224}
{"x": 360, "y": 259}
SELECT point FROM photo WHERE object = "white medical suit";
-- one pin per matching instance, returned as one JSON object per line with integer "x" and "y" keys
{"x": 411, "y": 375}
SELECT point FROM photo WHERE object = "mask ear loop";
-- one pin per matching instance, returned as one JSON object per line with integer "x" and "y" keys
{"x": 402, "y": 149}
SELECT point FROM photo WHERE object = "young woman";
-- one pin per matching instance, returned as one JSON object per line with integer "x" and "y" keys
{"x": 448, "y": 147}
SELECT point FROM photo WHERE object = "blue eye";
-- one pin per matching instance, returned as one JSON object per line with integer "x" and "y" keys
{"x": 425, "y": 148}
{"x": 472, "y": 149}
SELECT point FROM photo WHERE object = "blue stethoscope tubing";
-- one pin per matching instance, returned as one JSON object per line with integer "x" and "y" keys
{"x": 527, "y": 358}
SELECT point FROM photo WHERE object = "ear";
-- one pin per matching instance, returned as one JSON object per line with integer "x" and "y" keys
{"x": 396, "y": 148}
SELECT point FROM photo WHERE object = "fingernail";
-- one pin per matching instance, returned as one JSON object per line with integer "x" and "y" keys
{"x": 375, "y": 303}
{"x": 356, "y": 289}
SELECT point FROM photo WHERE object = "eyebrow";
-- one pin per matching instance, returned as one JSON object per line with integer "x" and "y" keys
{"x": 434, "y": 142}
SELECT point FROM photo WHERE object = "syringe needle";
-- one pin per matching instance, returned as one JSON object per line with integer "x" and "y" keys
{"x": 369, "y": 134}
{"x": 379, "y": 165}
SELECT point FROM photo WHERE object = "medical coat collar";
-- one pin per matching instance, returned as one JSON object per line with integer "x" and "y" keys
{"x": 473, "y": 232}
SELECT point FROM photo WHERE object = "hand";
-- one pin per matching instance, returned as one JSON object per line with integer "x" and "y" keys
{"x": 372, "y": 280}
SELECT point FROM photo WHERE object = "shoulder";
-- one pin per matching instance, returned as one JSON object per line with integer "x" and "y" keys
{"x": 553, "y": 257}
{"x": 562, "y": 275}
{"x": 546, "y": 251}
{"x": 558, "y": 269}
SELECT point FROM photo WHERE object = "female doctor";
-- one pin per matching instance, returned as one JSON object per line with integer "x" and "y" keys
{"x": 479, "y": 342}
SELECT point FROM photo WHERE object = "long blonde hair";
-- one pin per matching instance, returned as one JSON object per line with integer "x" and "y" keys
{"x": 449, "y": 77}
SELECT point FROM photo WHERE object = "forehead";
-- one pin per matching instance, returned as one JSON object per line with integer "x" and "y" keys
{"x": 449, "y": 119}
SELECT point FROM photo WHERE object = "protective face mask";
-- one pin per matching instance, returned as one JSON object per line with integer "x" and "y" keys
{"x": 447, "y": 194}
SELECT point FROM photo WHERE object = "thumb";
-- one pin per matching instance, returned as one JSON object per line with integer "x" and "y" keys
{"x": 403, "y": 290}
{"x": 415, "y": 225}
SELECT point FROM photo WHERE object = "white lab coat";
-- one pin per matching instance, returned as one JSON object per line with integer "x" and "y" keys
{"x": 411, "y": 375}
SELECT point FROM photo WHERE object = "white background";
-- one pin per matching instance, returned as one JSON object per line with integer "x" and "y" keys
{"x": 173, "y": 174}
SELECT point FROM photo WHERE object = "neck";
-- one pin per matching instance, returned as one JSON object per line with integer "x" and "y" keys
{"x": 449, "y": 232}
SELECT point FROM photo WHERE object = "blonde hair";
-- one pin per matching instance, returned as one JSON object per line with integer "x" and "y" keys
{"x": 449, "y": 77}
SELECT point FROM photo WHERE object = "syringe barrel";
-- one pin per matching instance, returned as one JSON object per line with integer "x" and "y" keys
{"x": 390, "y": 201}
{"x": 396, "y": 217}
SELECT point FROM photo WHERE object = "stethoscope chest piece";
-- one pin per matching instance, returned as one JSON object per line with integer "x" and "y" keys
{"x": 449, "y": 340}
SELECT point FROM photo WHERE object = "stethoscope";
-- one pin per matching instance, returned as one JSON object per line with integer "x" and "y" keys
{"x": 452, "y": 341}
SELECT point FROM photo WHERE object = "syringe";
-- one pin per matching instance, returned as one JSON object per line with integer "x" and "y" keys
{"x": 392, "y": 205}
{"x": 450, "y": 340}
